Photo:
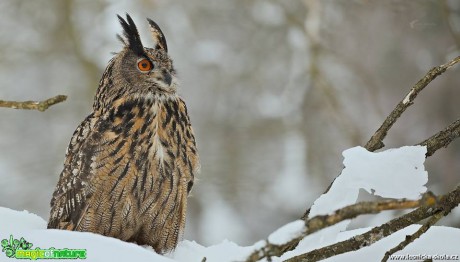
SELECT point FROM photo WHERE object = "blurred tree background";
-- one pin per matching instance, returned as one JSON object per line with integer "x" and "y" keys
{"x": 276, "y": 90}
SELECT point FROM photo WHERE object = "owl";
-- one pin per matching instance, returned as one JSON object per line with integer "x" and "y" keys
{"x": 131, "y": 163}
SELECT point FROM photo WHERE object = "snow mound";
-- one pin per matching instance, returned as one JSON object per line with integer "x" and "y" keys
{"x": 11, "y": 220}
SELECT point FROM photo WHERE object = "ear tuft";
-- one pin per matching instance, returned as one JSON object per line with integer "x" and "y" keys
{"x": 131, "y": 38}
{"x": 157, "y": 36}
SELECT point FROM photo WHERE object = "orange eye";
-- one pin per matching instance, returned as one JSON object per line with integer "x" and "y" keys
{"x": 144, "y": 65}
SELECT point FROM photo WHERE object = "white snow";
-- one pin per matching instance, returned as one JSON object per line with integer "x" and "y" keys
{"x": 19, "y": 220}
{"x": 407, "y": 98}
{"x": 99, "y": 248}
{"x": 396, "y": 173}
{"x": 286, "y": 232}
{"x": 225, "y": 251}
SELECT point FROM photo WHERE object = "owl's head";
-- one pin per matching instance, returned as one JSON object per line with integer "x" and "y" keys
{"x": 137, "y": 70}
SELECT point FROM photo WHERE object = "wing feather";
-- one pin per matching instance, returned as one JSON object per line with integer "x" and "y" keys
{"x": 75, "y": 184}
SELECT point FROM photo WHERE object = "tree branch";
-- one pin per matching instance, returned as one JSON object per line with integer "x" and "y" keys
{"x": 409, "y": 239}
{"x": 34, "y": 105}
{"x": 442, "y": 138}
{"x": 352, "y": 211}
{"x": 349, "y": 212}
{"x": 445, "y": 204}
{"x": 376, "y": 141}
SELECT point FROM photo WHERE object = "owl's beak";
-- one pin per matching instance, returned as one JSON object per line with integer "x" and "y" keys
{"x": 167, "y": 77}
{"x": 163, "y": 80}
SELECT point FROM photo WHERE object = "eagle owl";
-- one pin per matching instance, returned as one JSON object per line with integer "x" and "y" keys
{"x": 131, "y": 163}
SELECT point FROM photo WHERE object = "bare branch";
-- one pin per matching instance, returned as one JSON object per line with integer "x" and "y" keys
{"x": 409, "y": 239}
{"x": 376, "y": 141}
{"x": 442, "y": 138}
{"x": 34, "y": 105}
{"x": 349, "y": 212}
{"x": 445, "y": 204}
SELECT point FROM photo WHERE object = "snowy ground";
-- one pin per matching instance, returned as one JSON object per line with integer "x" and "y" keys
{"x": 397, "y": 173}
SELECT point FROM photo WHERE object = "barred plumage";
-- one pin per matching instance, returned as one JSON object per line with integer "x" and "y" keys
{"x": 131, "y": 163}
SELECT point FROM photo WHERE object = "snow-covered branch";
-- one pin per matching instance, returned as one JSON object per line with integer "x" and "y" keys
{"x": 409, "y": 239}
{"x": 445, "y": 204}
{"x": 349, "y": 212}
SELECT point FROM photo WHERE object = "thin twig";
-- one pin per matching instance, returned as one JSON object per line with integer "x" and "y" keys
{"x": 349, "y": 212}
{"x": 34, "y": 105}
{"x": 409, "y": 239}
{"x": 442, "y": 138}
{"x": 445, "y": 204}
{"x": 376, "y": 141}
